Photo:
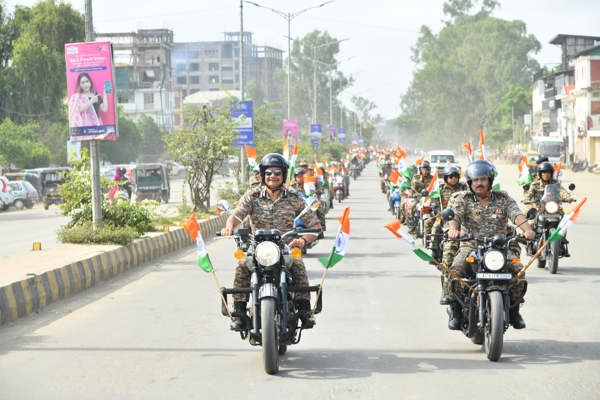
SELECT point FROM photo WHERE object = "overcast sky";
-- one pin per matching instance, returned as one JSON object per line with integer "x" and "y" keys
{"x": 380, "y": 32}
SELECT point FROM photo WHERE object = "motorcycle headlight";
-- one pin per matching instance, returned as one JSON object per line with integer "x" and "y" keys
{"x": 267, "y": 254}
{"x": 493, "y": 260}
{"x": 551, "y": 207}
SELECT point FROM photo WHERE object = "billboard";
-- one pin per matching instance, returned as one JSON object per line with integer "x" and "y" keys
{"x": 290, "y": 127}
{"x": 243, "y": 111}
{"x": 342, "y": 135}
{"x": 91, "y": 91}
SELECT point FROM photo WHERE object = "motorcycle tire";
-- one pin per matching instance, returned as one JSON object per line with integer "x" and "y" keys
{"x": 541, "y": 263}
{"x": 554, "y": 254}
{"x": 270, "y": 345}
{"x": 494, "y": 328}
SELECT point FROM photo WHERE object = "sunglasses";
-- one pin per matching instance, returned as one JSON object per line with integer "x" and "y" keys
{"x": 276, "y": 172}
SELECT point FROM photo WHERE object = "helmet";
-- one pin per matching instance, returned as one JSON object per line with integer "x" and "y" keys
{"x": 541, "y": 159}
{"x": 451, "y": 170}
{"x": 300, "y": 171}
{"x": 480, "y": 169}
{"x": 273, "y": 160}
{"x": 425, "y": 165}
{"x": 545, "y": 167}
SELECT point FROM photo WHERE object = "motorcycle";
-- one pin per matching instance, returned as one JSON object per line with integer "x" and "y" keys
{"x": 338, "y": 190}
{"x": 579, "y": 166}
{"x": 547, "y": 219}
{"x": 485, "y": 302}
{"x": 395, "y": 200}
{"x": 274, "y": 323}
{"x": 354, "y": 171}
{"x": 426, "y": 209}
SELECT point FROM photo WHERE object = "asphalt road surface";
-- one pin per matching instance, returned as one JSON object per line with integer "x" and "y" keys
{"x": 157, "y": 332}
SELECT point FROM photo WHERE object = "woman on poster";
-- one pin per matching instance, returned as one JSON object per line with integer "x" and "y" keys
{"x": 85, "y": 104}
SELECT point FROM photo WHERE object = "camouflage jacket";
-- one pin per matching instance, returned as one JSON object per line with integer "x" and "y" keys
{"x": 447, "y": 191}
{"x": 483, "y": 220}
{"x": 536, "y": 191}
{"x": 418, "y": 183}
{"x": 279, "y": 214}
{"x": 296, "y": 188}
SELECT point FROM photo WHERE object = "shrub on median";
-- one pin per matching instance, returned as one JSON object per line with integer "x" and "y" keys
{"x": 85, "y": 234}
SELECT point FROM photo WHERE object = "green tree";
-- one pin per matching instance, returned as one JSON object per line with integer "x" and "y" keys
{"x": 127, "y": 147}
{"x": 511, "y": 107}
{"x": 202, "y": 147}
{"x": 18, "y": 146}
{"x": 464, "y": 71}
{"x": 152, "y": 146}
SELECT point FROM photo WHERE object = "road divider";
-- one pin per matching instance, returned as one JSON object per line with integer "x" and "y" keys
{"x": 25, "y": 296}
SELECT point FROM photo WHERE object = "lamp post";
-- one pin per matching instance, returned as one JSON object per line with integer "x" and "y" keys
{"x": 289, "y": 16}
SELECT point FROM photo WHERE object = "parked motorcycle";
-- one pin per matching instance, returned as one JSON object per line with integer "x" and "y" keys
{"x": 547, "y": 217}
{"x": 274, "y": 323}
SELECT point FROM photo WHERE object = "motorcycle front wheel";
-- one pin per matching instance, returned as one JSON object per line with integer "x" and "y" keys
{"x": 270, "y": 343}
{"x": 494, "y": 328}
{"x": 554, "y": 253}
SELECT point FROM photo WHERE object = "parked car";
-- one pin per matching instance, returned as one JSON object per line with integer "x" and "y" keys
{"x": 175, "y": 169}
{"x": 6, "y": 196}
{"x": 440, "y": 159}
{"x": 24, "y": 194}
{"x": 31, "y": 176}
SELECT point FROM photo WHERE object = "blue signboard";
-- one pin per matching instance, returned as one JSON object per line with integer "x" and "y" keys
{"x": 342, "y": 135}
{"x": 243, "y": 111}
{"x": 315, "y": 130}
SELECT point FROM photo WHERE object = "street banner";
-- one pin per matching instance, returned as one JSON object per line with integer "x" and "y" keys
{"x": 73, "y": 151}
{"x": 243, "y": 111}
{"x": 91, "y": 91}
{"x": 315, "y": 135}
{"x": 332, "y": 132}
{"x": 290, "y": 128}
{"x": 355, "y": 139}
{"x": 342, "y": 135}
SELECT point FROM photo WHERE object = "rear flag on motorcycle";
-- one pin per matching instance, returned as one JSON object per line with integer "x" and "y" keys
{"x": 524, "y": 174}
{"x": 341, "y": 241}
{"x": 251, "y": 155}
{"x": 394, "y": 175}
{"x": 310, "y": 185}
{"x": 396, "y": 228}
{"x": 561, "y": 231}
{"x": 482, "y": 145}
{"x": 434, "y": 186}
{"x": 193, "y": 229}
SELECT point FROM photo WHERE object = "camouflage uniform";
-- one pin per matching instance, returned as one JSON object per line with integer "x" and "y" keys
{"x": 419, "y": 183}
{"x": 300, "y": 190}
{"x": 254, "y": 182}
{"x": 536, "y": 192}
{"x": 279, "y": 214}
{"x": 483, "y": 220}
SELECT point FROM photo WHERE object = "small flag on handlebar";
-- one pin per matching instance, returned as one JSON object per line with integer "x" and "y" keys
{"x": 396, "y": 229}
{"x": 193, "y": 229}
{"x": 341, "y": 241}
{"x": 561, "y": 231}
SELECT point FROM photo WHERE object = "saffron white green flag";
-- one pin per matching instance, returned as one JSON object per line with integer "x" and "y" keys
{"x": 561, "y": 231}
{"x": 341, "y": 242}
{"x": 396, "y": 229}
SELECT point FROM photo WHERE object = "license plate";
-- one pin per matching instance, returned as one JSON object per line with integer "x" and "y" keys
{"x": 488, "y": 275}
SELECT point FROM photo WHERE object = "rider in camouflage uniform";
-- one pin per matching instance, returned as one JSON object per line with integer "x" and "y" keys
{"x": 272, "y": 206}
{"x": 483, "y": 212}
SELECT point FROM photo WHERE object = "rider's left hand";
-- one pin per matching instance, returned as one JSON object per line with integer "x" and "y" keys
{"x": 299, "y": 243}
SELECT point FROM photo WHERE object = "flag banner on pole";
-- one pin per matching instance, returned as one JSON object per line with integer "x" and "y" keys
{"x": 396, "y": 229}
{"x": 569, "y": 218}
{"x": 341, "y": 242}
{"x": 434, "y": 186}
{"x": 193, "y": 229}
{"x": 251, "y": 155}
{"x": 482, "y": 145}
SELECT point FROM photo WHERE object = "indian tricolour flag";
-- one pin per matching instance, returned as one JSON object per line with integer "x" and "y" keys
{"x": 310, "y": 184}
{"x": 251, "y": 155}
{"x": 293, "y": 160}
{"x": 434, "y": 186}
{"x": 193, "y": 229}
{"x": 561, "y": 231}
{"x": 396, "y": 228}
{"x": 524, "y": 174}
{"x": 341, "y": 241}
{"x": 286, "y": 149}
{"x": 482, "y": 145}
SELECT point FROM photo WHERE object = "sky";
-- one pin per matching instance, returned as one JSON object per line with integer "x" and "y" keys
{"x": 380, "y": 33}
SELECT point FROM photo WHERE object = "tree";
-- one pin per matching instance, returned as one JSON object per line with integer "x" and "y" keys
{"x": 152, "y": 146}
{"x": 202, "y": 147}
{"x": 513, "y": 105}
{"x": 18, "y": 146}
{"x": 464, "y": 71}
{"x": 127, "y": 147}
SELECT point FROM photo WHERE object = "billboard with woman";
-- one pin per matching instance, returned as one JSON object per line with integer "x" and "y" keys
{"x": 90, "y": 90}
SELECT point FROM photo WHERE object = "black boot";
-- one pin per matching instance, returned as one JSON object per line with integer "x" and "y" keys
{"x": 444, "y": 299}
{"x": 516, "y": 319}
{"x": 238, "y": 317}
{"x": 305, "y": 313}
{"x": 455, "y": 321}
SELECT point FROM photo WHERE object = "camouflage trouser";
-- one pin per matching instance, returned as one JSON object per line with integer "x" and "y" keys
{"x": 321, "y": 217}
{"x": 297, "y": 270}
{"x": 428, "y": 225}
{"x": 516, "y": 287}
{"x": 449, "y": 249}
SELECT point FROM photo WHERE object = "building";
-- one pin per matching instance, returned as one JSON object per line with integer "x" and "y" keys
{"x": 215, "y": 66}
{"x": 553, "y": 104}
{"x": 144, "y": 75}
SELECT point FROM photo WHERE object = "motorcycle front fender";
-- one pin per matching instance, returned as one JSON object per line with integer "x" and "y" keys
{"x": 267, "y": 290}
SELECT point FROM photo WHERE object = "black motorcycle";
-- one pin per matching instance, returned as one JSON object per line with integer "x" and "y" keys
{"x": 547, "y": 218}
{"x": 484, "y": 299}
{"x": 274, "y": 322}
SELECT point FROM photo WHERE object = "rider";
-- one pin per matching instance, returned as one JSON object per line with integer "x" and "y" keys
{"x": 537, "y": 188}
{"x": 483, "y": 212}
{"x": 272, "y": 206}
{"x": 421, "y": 181}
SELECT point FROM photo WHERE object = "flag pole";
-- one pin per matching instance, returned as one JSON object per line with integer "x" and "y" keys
{"x": 320, "y": 290}
{"x": 521, "y": 273}
{"x": 214, "y": 275}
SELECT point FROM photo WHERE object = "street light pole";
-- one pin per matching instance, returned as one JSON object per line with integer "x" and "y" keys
{"x": 243, "y": 172}
{"x": 94, "y": 155}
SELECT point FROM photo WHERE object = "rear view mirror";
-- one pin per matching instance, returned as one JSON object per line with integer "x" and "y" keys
{"x": 572, "y": 186}
{"x": 447, "y": 214}
{"x": 531, "y": 214}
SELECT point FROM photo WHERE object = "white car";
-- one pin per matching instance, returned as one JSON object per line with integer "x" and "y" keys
{"x": 6, "y": 196}
{"x": 440, "y": 159}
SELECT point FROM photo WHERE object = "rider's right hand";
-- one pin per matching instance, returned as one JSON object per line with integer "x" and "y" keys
{"x": 453, "y": 234}
{"x": 226, "y": 231}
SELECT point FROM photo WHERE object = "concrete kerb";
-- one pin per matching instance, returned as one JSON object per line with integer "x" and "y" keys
{"x": 23, "y": 297}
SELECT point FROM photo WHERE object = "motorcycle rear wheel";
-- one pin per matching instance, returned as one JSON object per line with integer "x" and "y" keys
{"x": 554, "y": 253}
{"x": 269, "y": 341}
{"x": 494, "y": 329}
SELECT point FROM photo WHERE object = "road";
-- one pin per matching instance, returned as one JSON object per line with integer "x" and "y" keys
{"x": 157, "y": 332}
{"x": 20, "y": 228}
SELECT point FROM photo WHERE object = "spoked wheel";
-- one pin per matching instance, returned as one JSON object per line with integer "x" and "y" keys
{"x": 270, "y": 341}
{"x": 553, "y": 257}
{"x": 494, "y": 329}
